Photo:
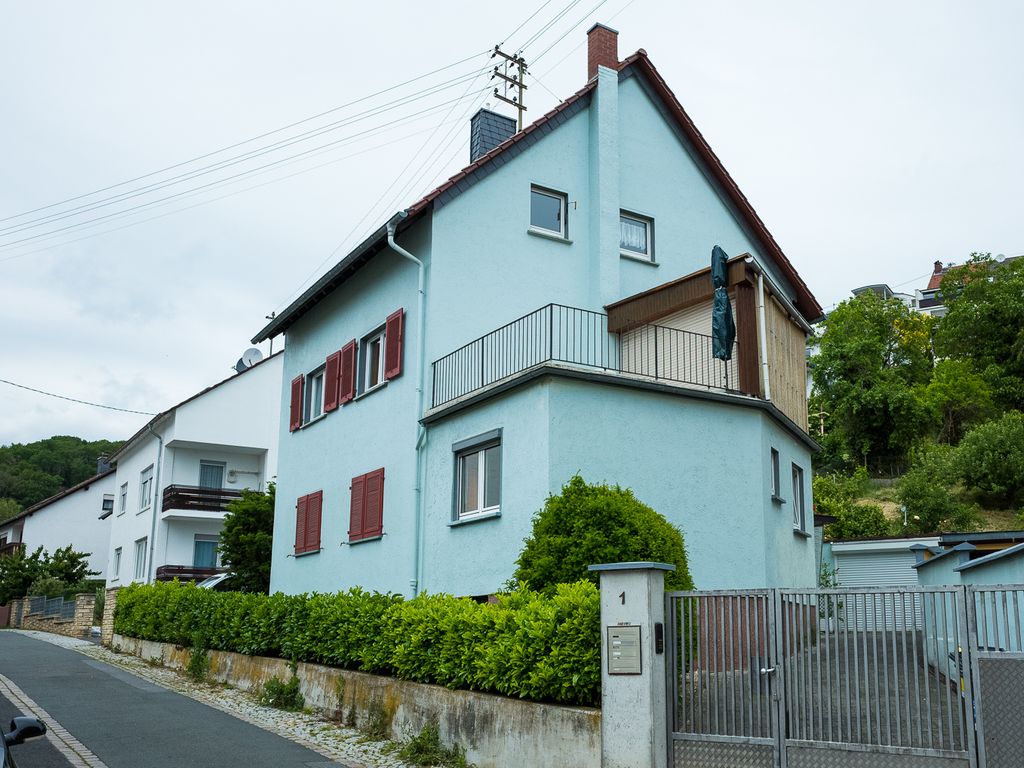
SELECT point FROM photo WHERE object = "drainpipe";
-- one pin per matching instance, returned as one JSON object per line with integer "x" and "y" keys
{"x": 156, "y": 496}
{"x": 421, "y": 430}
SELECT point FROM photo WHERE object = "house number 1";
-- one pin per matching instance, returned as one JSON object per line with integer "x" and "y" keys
{"x": 622, "y": 597}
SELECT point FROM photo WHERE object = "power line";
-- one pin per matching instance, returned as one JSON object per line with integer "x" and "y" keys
{"x": 152, "y": 203}
{"x": 75, "y": 400}
{"x": 236, "y": 160}
{"x": 186, "y": 195}
{"x": 249, "y": 140}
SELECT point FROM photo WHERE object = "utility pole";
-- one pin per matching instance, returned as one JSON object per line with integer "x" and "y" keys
{"x": 513, "y": 73}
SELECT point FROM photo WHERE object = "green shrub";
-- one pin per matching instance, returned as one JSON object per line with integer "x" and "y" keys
{"x": 926, "y": 492}
{"x": 426, "y": 749}
{"x": 198, "y": 666}
{"x": 47, "y": 586}
{"x": 281, "y": 695}
{"x": 538, "y": 646}
{"x": 990, "y": 460}
{"x": 587, "y": 524}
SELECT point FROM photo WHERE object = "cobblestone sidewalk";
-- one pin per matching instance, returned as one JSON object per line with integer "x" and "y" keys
{"x": 345, "y": 746}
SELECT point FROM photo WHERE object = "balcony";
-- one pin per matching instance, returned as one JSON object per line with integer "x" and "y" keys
{"x": 579, "y": 338}
{"x": 194, "y": 502}
{"x": 11, "y": 548}
{"x": 185, "y": 572}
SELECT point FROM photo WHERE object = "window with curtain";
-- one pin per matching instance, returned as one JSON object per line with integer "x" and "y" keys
{"x": 211, "y": 474}
{"x": 205, "y": 551}
{"x": 634, "y": 236}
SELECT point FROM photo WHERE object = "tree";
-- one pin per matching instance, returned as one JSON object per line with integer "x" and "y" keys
{"x": 19, "y": 571}
{"x": 835, "y": 495}
{"x": 984, "y": 323}
{"x": 246, "y": 541}
{"x": 871, "y": 357}
{"x": 32, "y": 472}
{"x": 8, "y": 508}
{"x": 957, "y": 398}
{"x": 990, "y": 459}
{"x": 587, "y": 524}
{"x": 926, "y": 493}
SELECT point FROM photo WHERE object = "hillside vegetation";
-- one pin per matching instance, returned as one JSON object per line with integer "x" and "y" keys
{"x": 35, "y": 471}
{"x": 937, "y": 404}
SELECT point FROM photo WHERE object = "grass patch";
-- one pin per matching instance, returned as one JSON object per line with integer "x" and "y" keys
{"x": 281, "y": 695}
{"x": 426, "y": 749}
{"x": 198, "y": 666}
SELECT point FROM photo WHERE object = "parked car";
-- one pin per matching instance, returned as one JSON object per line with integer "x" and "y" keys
{"x": 22, "y": 729}
{"x": 219, "y": 582}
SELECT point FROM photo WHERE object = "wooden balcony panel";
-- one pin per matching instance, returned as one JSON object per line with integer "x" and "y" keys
{"x": 194, "y": 498}
{"x": 185, "y": 572}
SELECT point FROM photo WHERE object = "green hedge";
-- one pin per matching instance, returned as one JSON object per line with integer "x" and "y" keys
{"x": 528, "y": 645}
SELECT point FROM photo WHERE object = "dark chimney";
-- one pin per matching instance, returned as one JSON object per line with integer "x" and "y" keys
{"x": 486, "y": 131}
{"x": 602, "y": 49}
{"x": 938, "y": 267}
{"x": 102, "y": 464}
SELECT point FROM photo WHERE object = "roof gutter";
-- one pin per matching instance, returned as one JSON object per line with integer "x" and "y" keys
{"x": 421, "y": 430}
{"x": 150, "y": 577}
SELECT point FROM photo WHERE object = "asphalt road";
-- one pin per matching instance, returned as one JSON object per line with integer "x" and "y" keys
{"x": 131, "y": 723}
{"x": 38, "y": 753}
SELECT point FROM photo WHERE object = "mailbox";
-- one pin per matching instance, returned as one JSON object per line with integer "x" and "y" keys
{"x": 624, "y": 650}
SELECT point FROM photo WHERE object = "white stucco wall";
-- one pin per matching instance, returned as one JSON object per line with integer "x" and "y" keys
{"x": 234, "y": 423}
{"x": 74, "y": 519}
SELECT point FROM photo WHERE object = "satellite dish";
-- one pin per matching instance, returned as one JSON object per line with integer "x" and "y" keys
{"x": 248, "y": 359}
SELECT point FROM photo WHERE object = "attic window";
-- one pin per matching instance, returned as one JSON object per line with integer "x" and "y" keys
{"x": 548, "y": 211}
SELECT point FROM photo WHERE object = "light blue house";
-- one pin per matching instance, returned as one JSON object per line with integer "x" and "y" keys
{"x": 546, "y": 312}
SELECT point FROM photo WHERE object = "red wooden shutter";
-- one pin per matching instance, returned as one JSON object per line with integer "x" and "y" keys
{"x": 355, "y": 520}
{"x": 394, "y": 340}
{"x": 295, "y": 420}
{"x": 347, "y": 386}
{"x": 331, "y": 380}
{"x": 300, "y": 524}
{"x": 373, "y": 507}
{"x": 313, "y": 515}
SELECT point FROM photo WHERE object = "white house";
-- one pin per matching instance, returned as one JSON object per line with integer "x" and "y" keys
{"x": 78, "y": 516}
{"x": 176, "y": 475}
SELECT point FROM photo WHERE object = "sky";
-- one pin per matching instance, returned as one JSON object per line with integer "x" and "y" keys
{"x": 153, "y": 212}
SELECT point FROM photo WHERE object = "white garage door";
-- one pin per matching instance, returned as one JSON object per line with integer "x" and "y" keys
{"x": 880, "y": 570}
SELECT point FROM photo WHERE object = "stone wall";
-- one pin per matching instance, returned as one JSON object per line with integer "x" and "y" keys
{"x": 107, "y": 625}
{"x": 495, "y": 731}
{"x": 79, "y": 626}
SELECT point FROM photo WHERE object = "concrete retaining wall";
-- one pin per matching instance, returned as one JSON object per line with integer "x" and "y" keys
{"x": 495, "y": 731}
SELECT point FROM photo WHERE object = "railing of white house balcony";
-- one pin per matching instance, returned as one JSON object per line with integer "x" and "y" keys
{"x": 193, "y": 497}
{"x": 579, "y": 337}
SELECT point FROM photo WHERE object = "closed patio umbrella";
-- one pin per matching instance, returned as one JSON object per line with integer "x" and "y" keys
{"x": 723, "y": 327}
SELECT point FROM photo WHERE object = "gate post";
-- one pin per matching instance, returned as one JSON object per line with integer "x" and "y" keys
{"x": 634, "y": 725}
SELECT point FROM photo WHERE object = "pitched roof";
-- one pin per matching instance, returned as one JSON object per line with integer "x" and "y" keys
{"x": 165, "y": 414}
{"x": 804, "y": 299}
{"x": 58, "y": 496}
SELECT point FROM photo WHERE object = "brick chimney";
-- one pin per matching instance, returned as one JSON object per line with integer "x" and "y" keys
{"x": 602, "y": 49}
{"x": 938, "y": 268}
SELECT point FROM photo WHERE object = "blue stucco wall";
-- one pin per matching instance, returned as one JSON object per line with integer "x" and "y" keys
{"x": 378, "y": 430}
{"x": 667, "y": 448}
{"x": 704, "y": 465}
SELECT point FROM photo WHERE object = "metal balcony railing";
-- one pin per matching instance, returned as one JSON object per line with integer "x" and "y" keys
{"x": 579, "y": 337}
{"x": 195, "y": 498}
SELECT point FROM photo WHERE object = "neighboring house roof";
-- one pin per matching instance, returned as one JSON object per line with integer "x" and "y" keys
{"x": 460, "y": 182}
{"x": 58, "y": 496}
{"x": 163, "y": 415}
{"x": 1013, "y": 551}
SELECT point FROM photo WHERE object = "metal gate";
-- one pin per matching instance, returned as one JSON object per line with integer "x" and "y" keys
{"x": 816, "y": 678}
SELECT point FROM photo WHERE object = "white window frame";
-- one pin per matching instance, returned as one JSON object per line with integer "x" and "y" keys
{"x": 116, "y": 565}
{"x": 648, "y": 223}
{"x": 140, "y": 562}
{"x": 563, "y": 212}
{"x": 365, "y": 368}
{"x": 313, "y": 405}
{"x": 123, "y": 505}
{"x": 476, "y": 446}
{"x": 146, "y": 488}
{"x": 776, "y": 475}
{"x": 799, "y": 518}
